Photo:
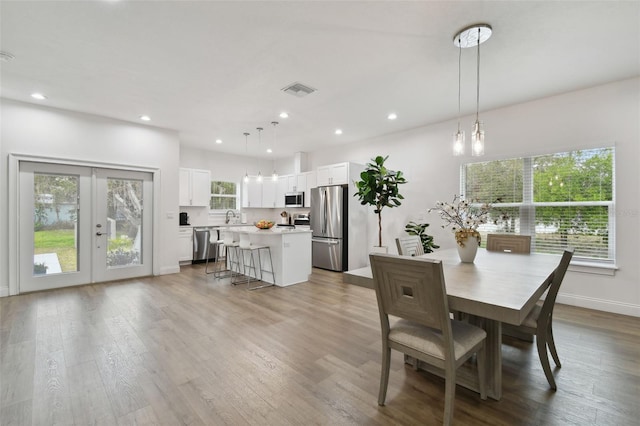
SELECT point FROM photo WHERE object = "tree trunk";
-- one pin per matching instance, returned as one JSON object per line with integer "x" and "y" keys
{"x": 379, "y": 229}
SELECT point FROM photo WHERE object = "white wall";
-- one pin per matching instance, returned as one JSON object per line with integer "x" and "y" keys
{"x": 47, "y": 132}
{"x": 229, "y": 166}
{"x": 606, "y": 115}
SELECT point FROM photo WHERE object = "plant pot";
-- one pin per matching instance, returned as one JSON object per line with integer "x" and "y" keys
{"x": 467, "y": 245}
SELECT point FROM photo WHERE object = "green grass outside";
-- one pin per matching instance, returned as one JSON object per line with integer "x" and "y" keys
{"x": 61, "y": 242}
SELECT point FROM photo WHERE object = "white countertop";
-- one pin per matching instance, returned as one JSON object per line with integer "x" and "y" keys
{"x": 250, "y": 229}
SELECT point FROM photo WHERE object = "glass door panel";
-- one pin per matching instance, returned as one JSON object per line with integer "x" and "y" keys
{"x": 55, "y": 206}
{"x": 122, "y": 224}
{"x": 55, "y": 223}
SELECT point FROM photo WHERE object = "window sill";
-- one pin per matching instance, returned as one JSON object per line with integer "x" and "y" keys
{"x": 593, "y": 268}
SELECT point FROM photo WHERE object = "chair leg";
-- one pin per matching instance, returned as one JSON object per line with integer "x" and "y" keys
{"x": 384, "y": 373}
{"x": 449, "y": 395}
{"x": 552, "y": 346}
{"x": 541, "y": 343}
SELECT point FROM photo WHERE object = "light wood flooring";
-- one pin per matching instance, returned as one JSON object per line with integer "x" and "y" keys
{"x": 188, "y": 349}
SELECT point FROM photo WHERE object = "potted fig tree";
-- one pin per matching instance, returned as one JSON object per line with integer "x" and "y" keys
{"x": 379, "y": 187}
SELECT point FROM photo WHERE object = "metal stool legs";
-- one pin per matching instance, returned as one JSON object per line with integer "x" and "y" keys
{"x": 217, "y": 257}
{"x": 252, "y": 272}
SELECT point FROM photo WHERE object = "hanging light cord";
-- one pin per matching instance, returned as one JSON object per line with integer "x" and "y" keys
{"x": 459, "y": 78}
{"x": 478, "y": 79}
{"x": 274, "y": 124}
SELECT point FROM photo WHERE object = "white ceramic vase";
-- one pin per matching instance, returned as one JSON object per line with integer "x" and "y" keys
{"x": 468, "y": 250}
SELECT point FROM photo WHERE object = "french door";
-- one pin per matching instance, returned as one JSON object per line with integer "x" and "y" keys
{"x": 81, "y": 225}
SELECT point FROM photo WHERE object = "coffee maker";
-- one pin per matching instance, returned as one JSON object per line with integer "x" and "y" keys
{"x": 184, "y": 219}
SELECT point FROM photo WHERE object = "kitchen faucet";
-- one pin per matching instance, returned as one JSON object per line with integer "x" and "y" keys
{"x": 226, "y": 216}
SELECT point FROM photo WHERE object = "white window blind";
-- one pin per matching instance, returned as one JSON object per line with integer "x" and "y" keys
{"x": 562, "y": 200}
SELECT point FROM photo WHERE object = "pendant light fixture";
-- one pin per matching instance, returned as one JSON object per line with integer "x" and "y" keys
{"x": 259, "y": 129}
{"x": 474, "y": 36}
{"x": 274, "y": 176}
{"x": 458, "y": 137}
{"x": 246, "y": 150}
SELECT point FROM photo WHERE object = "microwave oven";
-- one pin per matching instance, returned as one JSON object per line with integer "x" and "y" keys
{"x": 294, "y": 199}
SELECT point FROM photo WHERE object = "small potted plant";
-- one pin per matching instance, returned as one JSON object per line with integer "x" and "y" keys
{"x": 379, "y": 187}
{"x": 40, "y": 268}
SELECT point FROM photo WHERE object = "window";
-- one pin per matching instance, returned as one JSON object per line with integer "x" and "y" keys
{"x": 224, "y": 195}
{"x": 563, "y": 199}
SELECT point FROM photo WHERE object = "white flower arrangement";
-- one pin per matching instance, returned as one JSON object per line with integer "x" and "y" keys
{"x": 462, "y": 217}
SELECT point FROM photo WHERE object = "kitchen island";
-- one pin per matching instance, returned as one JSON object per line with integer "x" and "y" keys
{"x": 290, "y": 252}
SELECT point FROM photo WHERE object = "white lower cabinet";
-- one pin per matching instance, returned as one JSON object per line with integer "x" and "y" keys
{"x": 185, "y": 244}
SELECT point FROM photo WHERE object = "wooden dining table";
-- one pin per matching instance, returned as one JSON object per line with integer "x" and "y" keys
{"x": 496, "y": 288}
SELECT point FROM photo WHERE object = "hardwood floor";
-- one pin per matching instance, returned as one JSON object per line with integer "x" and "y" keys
{"x": 188, "y": 349}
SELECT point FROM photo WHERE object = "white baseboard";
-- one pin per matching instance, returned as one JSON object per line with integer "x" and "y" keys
{"x": 166, "y": 270}
{"x": 4, "y": 291}
{"x": 599, "y": 304}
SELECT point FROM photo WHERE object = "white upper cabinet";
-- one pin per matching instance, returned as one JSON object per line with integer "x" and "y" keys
{"x": 310, "y": 183}
{"x": 333, "y": 174}
{"x": 195, "y": 187}
{"x": 282, "y": 187}
{"x": 269, "y": 193}
{"x": 252, "y": 193}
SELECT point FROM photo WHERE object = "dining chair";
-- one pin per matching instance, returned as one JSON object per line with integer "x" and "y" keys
{"x": 410, "y": 246}
{"x": 539, "y": 322}
{"x": 413, "y": 289}
{"x": 509, "y": 243}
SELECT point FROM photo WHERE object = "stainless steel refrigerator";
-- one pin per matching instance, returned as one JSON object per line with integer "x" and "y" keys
{"x": 329, "y": 226}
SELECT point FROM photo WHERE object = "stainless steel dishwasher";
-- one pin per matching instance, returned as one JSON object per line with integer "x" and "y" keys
{"x": 201, "y": 240}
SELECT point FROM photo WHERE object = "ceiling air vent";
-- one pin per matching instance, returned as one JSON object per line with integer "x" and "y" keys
{"x": 298, "y": 89}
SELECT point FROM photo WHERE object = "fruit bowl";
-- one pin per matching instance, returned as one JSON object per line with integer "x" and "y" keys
{"x": 264, "y": 224}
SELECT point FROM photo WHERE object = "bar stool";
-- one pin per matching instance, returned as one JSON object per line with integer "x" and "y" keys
{"x": 251, "y": 271}
{"x": 215, "y": 244}
{"x": 226, "y": 256}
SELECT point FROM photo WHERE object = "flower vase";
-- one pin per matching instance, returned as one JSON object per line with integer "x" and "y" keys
{"x": 467, "y": 244}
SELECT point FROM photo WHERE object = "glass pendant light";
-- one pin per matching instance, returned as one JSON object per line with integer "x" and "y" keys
{"x": 477, "y": 138}
{"x": 458, "y": 137}
{"x": 274, "y": 176}
{"x": 259, "y": 129}
{"x": 471, "y": 36}
{"x": 246, "y": 150}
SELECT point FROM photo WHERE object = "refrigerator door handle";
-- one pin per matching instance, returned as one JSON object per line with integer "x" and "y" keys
{"x": 325, "y": 207}
{"x": 328, "y": 242}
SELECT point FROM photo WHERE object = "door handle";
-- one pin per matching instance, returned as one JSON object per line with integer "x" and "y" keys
{"x": 99, "y": 234}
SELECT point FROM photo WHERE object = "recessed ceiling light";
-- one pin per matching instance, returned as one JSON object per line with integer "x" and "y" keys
{"x": 338, "y": 131}
{"x": 38, "y": 96}
{"x": 392, "y": 116}
{"x": 284, "y": 114}
{"x": 145, "y": 118}
{"x": 269, "y": 150}
{"x": 218, "y": 141}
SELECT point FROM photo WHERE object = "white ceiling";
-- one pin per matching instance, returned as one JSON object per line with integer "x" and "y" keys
{"x": 213, "y": 69}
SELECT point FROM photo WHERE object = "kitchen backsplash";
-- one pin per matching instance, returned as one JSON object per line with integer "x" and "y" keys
{"x": 199, "y": 216}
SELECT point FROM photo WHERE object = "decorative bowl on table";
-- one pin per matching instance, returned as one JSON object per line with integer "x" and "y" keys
{"x": 264, "y": 224}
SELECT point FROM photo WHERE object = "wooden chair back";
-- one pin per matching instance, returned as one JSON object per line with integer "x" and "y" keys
{"x": 410, "y": 246}
{"x": 411, "y": 288}
{"x": 509, "y": 243}
{"x": 556, "y": 280}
